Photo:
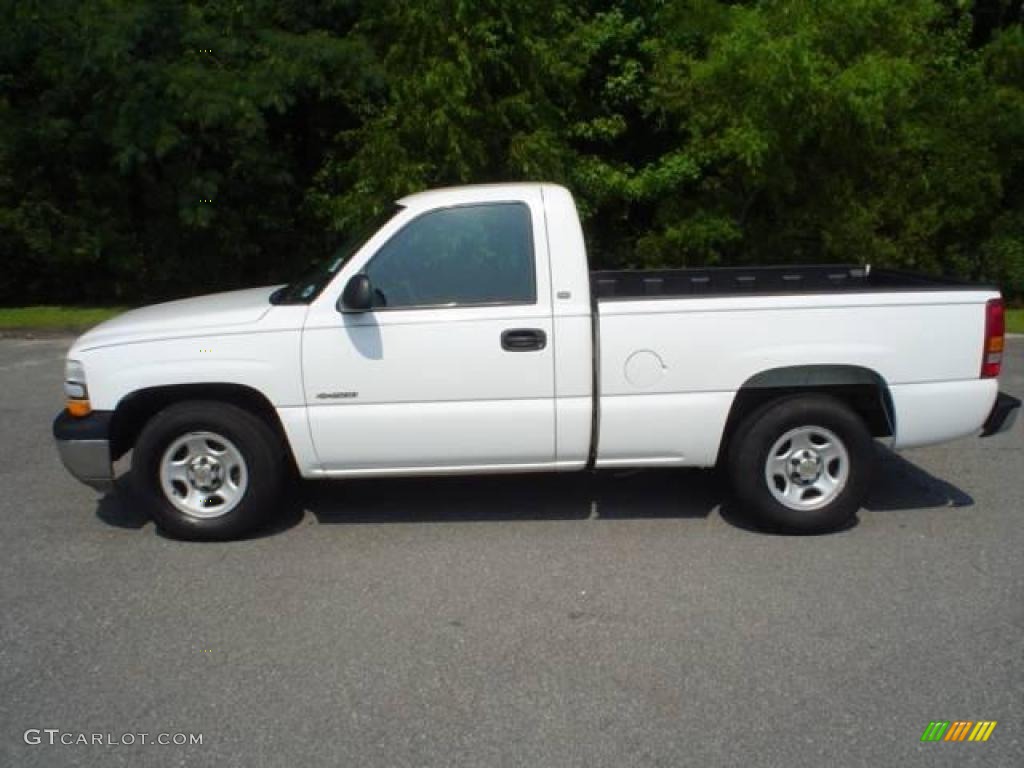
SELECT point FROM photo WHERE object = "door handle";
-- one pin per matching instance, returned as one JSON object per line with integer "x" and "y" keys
{"x": 523, "y": 339}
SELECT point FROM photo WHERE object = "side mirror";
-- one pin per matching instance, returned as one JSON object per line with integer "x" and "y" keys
{"x": 357, "y": 296}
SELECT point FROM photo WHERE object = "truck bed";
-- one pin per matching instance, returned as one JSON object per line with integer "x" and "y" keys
{"x": 612, "y": 285}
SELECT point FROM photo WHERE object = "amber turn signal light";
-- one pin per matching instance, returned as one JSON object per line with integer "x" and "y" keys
{"x": 79, "y": 408}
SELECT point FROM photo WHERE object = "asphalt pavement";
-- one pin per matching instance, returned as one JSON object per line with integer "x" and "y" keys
{"x": 627, "y": 619}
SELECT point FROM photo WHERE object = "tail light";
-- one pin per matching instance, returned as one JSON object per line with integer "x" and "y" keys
{"x": 995, "y": 328}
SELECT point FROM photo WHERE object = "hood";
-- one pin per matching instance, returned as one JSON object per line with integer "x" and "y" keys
{"x": 185, "y": 317}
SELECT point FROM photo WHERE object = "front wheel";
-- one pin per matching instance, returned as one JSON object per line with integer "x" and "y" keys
{"x": 803, "y": 463}
{"x": 208, "y": 470}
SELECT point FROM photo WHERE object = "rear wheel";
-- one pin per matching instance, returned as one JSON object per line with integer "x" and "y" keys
{"x": 208, "y": 470}
{"x": 803, "y": 463}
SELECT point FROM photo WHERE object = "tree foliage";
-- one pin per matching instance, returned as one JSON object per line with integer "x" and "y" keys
{"x": 151, "y": 148}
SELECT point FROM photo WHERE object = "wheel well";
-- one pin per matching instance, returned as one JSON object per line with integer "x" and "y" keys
{"x": 134, "y": 410}
{"x": 863, "y": 390}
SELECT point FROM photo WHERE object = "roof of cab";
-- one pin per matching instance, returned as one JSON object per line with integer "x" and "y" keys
{"x": 432, "y": 198}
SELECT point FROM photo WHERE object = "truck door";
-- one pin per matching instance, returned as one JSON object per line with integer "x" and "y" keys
{"x": 452, "y": 369}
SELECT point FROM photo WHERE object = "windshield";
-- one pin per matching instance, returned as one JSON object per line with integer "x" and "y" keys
{"x": 315, "y": 279}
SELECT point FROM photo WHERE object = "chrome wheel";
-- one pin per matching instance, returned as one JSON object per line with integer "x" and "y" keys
{"x": 807, "y": 468}
{"x": 203, "y": 474}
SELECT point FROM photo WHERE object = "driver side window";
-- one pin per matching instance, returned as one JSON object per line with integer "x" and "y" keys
{"x": 466, "y": 255}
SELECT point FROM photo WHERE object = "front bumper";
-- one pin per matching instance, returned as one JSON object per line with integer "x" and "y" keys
{"x": 84, "y": 447}
{"x": 1003, "y": 414}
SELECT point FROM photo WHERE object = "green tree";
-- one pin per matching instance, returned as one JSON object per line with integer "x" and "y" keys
{"x": 854, "y": 130}
{"x": 152, "y": 148}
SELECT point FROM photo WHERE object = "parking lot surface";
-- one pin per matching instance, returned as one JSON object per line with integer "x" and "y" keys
{"x": 588, "y": 620}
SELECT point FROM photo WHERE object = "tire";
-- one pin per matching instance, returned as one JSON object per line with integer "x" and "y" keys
{"x": 208, "y": 470}
{"x": 802, "y": 464}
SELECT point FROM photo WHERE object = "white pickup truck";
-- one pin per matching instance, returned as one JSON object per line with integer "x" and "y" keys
{"x": 466, "y": 334}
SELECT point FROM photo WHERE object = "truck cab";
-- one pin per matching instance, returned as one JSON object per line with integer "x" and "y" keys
{"x": 472, "y": 348}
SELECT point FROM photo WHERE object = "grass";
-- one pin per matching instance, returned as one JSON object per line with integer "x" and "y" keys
{"x": 50, "y": 318}
{"x": 1015, "y": 321}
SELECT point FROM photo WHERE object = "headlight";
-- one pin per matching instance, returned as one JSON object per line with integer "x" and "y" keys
{"x": 75, "y": 389}
{"x": 74, "y": 380}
